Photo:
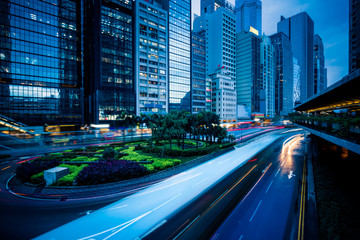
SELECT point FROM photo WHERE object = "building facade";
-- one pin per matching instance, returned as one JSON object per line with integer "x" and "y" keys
{"x": 248, "y": 14}
{"x": 319, "y": 65}
{"x": 108, "y": 60}
{"x": 248, "y": 73}
{"x": 267, "y": 81}
{"x": 300, "y": 31}
{"x": 284, "y": 74}
{"x": 198, "y": 72}
{"x": 210, "y": 6}
{"x": 179, "y": 12}
{"x": 151, "y": 58}
{"x": 296, "y": 74}
{"x": 40, "y": 62}
{"x": 354, "y": 35}
{"x": 223, "y": 95}
{"x": 219, "y": 28}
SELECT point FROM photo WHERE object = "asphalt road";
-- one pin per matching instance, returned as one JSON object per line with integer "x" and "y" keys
{"x": 271, "y": 209}
{"x": 141, "y": 213}
{"x": 22, "y": 218}
{"x": 258, "y": 201}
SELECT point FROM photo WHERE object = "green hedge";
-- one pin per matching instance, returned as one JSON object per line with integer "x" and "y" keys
{"x": 70, "y": 178}
{"x": 37, "y": 178}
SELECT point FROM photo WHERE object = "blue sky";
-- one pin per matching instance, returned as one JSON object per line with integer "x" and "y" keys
{"x": 331, "y": 20}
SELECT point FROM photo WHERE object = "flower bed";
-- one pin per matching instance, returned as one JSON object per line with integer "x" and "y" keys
{"x": 110, "y": 163}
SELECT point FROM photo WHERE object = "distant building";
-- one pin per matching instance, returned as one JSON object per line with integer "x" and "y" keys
{"x": 319, "y": 65}
{"x": 219, "y": 27}
{"x": 208, "y": 94}
{"x": 248, "y": 15}
{"x": 248, "y": 73}
{"x": 210, "y": 6}
{"x": 198, "y": 72}
{"x": 223, "y": 95}
{"x": 267, "y": 81}
{"x": 300, "y": 31}
{"x": 354, "y": 35}
{"x": 151, "y": 58}
{"x": 284, "y": 74}
{"x": 296, "y": 74}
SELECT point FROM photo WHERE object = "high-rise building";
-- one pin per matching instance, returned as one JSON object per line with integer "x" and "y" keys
{"x": 296, "y": 74}
{"x": 210, "y": 6}
{"x": 179, "y": 12}
{"x": 248, "y": 15}
{"x": 267, "y": 78}
{"x": 198, "y": 72}
{"x": 151, "y": 57}
{"x": 108, "y": 59}
{"x": 208, "y": 94}
{"x": 248, "y": 73}
{"x": 223, "y": 95}
{"x": 300, "y": 31}
{"x": 41, "y": 62}
{"x": 354, "y": 35}
{"x": 284, "y": 74}
{"x": 319, "y": 65}
{"x": 219, "y": 27}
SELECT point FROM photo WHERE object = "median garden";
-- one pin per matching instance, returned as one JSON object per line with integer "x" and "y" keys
{"x": 176, "y": 138}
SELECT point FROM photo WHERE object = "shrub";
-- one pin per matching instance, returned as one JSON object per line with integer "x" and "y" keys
{"x": 27, "y": 169}
{"x": 149, "y": 167}
{"x": 122, "y": 154}
{"x": 110, "y": 171}
{"x": 109, "y": 153}
{"x": 139, "y": 147}
{"x": 37, "y": 178}
{"x": 70, "y": 178}
{"x": 176, "y": 161}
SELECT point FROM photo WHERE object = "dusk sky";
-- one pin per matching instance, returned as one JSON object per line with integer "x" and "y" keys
{"x": 331, "y": 19}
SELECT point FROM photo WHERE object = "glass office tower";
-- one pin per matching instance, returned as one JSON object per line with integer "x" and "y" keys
{"x": 179, "y": 53}
{"x": 108, "y": 60}
{"x": 40, "y": 67}
{"x": 198, "y": 72}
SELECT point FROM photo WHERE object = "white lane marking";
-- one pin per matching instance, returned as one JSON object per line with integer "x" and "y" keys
{"x": 269, "y": 186}
{"x": 6, "y": 147}
{"x": 118, "y": 207}
{"x": 241, "y": 237}
{"x": 186, "y": 228}
{"x": 153, "y": 229}
{"x": 255, "y": 211}
{"x": 169, "y": 185}
{"x": 128, "y": 223}
{"x": 277, "y": 172}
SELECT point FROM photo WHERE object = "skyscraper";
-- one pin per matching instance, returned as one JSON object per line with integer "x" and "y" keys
{"x": 108, "y": 59}
{"x": 354, "y": 35}
{"x": 151, "y": 58}
{"x": 319, "y": 65}
{"x": 179, "y": 12}
{"x": 267, "y": 81}
{"x": 198, "y": 72}
{"x": 210, "y": 6}
{"x": 219, "y": 28}
{"x": 248, "y": 73}
{"x": 248, "y": 14}
{"x": 300, "y": 31}
{"x": 40, "y": 62}
{"x": 284, "y": 74}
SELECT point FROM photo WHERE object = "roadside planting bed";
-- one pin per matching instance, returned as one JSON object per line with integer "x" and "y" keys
{"x": 113, "y": 162}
